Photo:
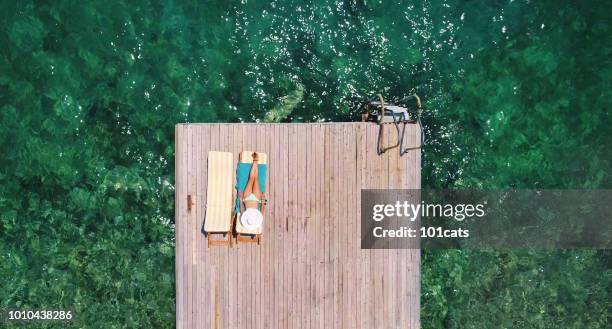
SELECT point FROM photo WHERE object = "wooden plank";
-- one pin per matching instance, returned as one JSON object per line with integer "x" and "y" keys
{"x": 302, "y": 320}
{"x": 304, "y": 242}
{"x": 189, "y": 226}
{"x": 204, "y": 285}
{"x": 199, "y": 170}
{"x": 319, "y": 259}
{"x": 388, "y": 259}
{"x": 351, "y": 223}
{"x": 415, "y": 267}
{"x": 369, "y": 258}
{"x": 199, "y": 175}
{"x": 250, "y": 274}
{"x": 313, "y": 234}
{"x": 228, "y": 278}
{"x": 363, "y": 254}
{"x": 273, "y": 237}
{"x": 294, "y": 174}
{"x": 261, "y": 249}
{"x": 185, "y": 234}
{"x": 393, "y": 283}
{"x": 275, "y": 222}
{"x": 293, "y": 227}
{"x": 377, "y": 255}
{"x": 356, "y": 238}
{"x": 297, "y": 275}
{"x": 328, "y": 275}
{"x": 210, "y": 273}
{"x": 344, "y": 231}
{"x": 309, "y": 242}
{"x": 359, "y": 150}
{"x": 339, "y": 228}
{"x": 407, "y": 316}
{"x": 351, "y": 226}
{"x": 257, "y": 252}
{"x": 251, "y": 271}
{"x": 297, "y": 272}
{"x": 287, "y": 283}
{"x": 290, "y": 218}
{"x": 300, "y": 180}
{"x": 279, "y": 204}
{"x": 225, "y": 144}
{"x": 244, "y": 260}
{"x": 293, "y": 224}
{"x": 254, "y": 255}
{"x": 333, "y": 224}
{"x": 343, "y": 227}
{"x": 239, "y": 268}
{"x": 180, "y": 183}
{"x": 382, "y": 256}
{"x": 268, "y": 238}
{"x": 195, "y": 163}
{"x": 213, "y": 252}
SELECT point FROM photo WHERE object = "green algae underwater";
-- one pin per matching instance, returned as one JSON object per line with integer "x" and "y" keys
{"x": 516, "y": 95}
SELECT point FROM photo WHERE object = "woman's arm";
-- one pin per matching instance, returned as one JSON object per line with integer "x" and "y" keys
{"x": 263, "y": 202}
{"x": 241, "y": 198}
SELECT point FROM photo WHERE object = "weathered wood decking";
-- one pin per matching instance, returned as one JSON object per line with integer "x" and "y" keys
{"x": 309, "y": 271}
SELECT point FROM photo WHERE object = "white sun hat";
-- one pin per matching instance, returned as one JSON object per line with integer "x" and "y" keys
{"x": 251, "y": 218}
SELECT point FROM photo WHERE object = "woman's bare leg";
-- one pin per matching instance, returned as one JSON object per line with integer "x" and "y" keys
{"x": 253, "y": 182}
{"x": 256, "y": 189}
{"x": 249, "y": 186}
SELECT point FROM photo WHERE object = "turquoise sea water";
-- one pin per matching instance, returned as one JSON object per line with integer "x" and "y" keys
{"x": 516, "y": 94}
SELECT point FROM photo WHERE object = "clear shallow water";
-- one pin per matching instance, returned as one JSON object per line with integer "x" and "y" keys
{"x": 515, "y": 95}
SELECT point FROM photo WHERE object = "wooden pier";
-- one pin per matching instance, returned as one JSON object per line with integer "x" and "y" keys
{"x": 309, "y": 271}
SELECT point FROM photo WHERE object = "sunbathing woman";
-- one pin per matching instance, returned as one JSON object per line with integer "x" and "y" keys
{"x": 253, "y": 197}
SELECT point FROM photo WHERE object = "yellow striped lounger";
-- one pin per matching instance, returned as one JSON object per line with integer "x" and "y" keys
{"x": 219, "y": 197}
